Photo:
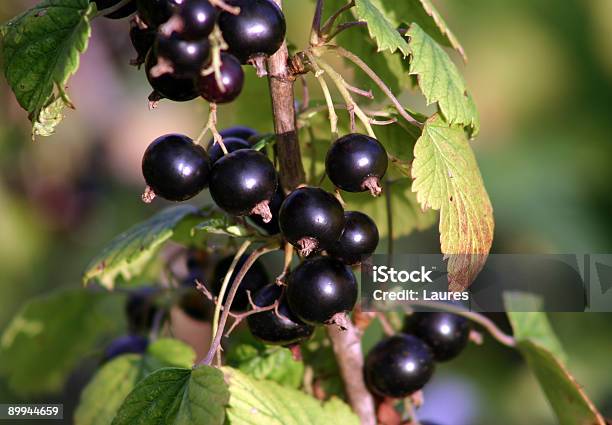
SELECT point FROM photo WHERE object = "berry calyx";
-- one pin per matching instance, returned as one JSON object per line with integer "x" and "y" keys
{"x": 277, "y": 326}
{"x": 359, "y": 238}
{"x": 175, "y": 168}
{"x": 357, "y": 163}
{"x": 446, "y": 334}
{"x": 232, "y": 144}
{"x": 398, "y": 366}
{"x": 142, "y": 40}
{"x": 311, "y": 219}
{"x": 232, "y": 77}
{"x": 140, "y": 309}
{"x": 180, "y": 57}
{"x": 155, "y": 12}
{"x": 255, "y": 279}
{"x": 272, "y": 227}
{"x": 257, "y": 31}
{"x": 169, "y": 85}
{"x": 193, "y": 20}
{"x": 126, "y": 344}
{"x": 243, "y": 183}
{"x": 123, "y": 12}
{"x": 321, "y": 291}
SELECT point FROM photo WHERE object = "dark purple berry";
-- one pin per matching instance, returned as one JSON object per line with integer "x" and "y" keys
{"x": 175, "y": 168}
{"x": 156, "y": 12}
{"x": 398, "y": 366}
{"x": 357, "y": 163}
{"x": 257, "y": 31}
{"x": 142, "y": 40}
{"x": 359, "y": 238}
{"x": 446, "y": 334}
{"x": 169, "y": 85}
{"x": 240, "y": 132}
{"x": 232, "y": 144}
{"x": 123, "y": 12}
{"x": 128, "y": 344}
{"x": 194, "y": 303}
{"x": 279, "y": 326}
{"x": 321, "y": 290}
{"x": 232, "y": 77}
{"x": 193, "y": 20}
{"x": 140, "y": 309}
{"x": 311, "y": 219}
{"x": 180, "y": 57}
{"x": 243, "y": 183}
{"x": 255, "y": 279}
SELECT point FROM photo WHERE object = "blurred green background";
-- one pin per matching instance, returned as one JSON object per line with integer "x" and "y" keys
{"x": 541, "y": 74}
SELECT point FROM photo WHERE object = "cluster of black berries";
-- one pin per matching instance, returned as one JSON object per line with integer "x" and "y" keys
{"x": 402, "y": 364}
{"x": 175, "y": 40}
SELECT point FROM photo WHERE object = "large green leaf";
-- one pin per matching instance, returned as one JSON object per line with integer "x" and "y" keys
{"x": 267, "y": 362}
{"x": 540, "y": 347}
{"x": 440, "y": 80}
{"x": 129, "y": 252}
{"x": 52, "y": 334}
{"x": 40, "y": 51}
{"x": 116, "y": 379}
{"x": 267, "y": 403}
{"x": 177, "y": 396}
{"x": 447, "y": 178}
{"x": 386, "y": 35}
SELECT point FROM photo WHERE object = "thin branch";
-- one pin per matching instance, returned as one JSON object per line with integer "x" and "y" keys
{"x": 327, "y": 26}
{"x": 315, "y": 32}
{"x": 280, "y": 280}
{"x": 333, "y": 117}
{"x": 365, "y": 93}
{"x": 342, "y": 27}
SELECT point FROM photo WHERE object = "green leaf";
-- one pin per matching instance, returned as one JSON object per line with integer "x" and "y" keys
{"x": 50, "y": 335}
{"x": 440, "y": 80}
{"x": 540, "y": 347}
{"x": 386, "y": 35}
{"x": 129, "y": 253}
{"x": 221, "y": 224}
{"x": 267, "y": 403}
{"x": 116, "y": 379}
{"x": 423, "y": 13}
{"x": 447, "y": 178}
{"x": 267, "y": 362}
{"x": 177, "y": 396}
{"x": 40, "y": 52}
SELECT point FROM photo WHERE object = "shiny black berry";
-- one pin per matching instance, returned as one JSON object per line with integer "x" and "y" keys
{"x": 359, "y": 238}
{"x": 168, "y": 85}
{"x": 398, "y": 366}
{"x": 193, "y": 20}
{"x": 279, "y": 326}
{"x": 311, "y": 219}
{"x": 357, "y": 163}
{"x": 140, "y": 309}
{"x": 447, "y": 334}
{"x": 320, "y": 290}
{"x": 125, "y": 345}
{"x": 243, "y": 183}
{"x": 123, "y": 12}
{"x": 239, "y": 132}
{"x": 255, "y": 279}
{"x": 272, "y": 227}
{"x": 232, "y": 77}
{"x": 195, "y": 304}
{"x": 180, "y": 57}
{"x": 258, "y": 30}
{"x": 175, "y": 168}
{"x": 142, "y": 40}
{"x": 156, "y": 12}
{"x": 232, "y": 144}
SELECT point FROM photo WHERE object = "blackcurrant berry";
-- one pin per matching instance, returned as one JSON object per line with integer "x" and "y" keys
{"x": 283, "y": 328}
{"x": 194, "y": 303}
{"x": 357, "y": 163}
{"x": 175, "y": 168}
{"x": 123, "y": 12}
{"x": 272, "y": 227}
{"x": 232, "y": 77}
{"x": 240, "y": 132}
{"x": 169, "y": 85}
{"x": 179, "y": 57}
{"x": 255, "y": 279}
{"x": 447, "y": 334}
{"x": 193, "y": 20}
{"x": 398, "y": 366}
{"x": 232, "y": 144}
{"x": 156, "y": 12}
{"x": 257, "y": 31}
{"x": 359, "y": 238}
{"x": 321, "y": 289}
{"x": 140, "y": 309}
{"x": 127, "y": 344}
{"x": 311, "y": 219}
{"x": 142, "y": 40}
{"x": 243, "y": 183}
